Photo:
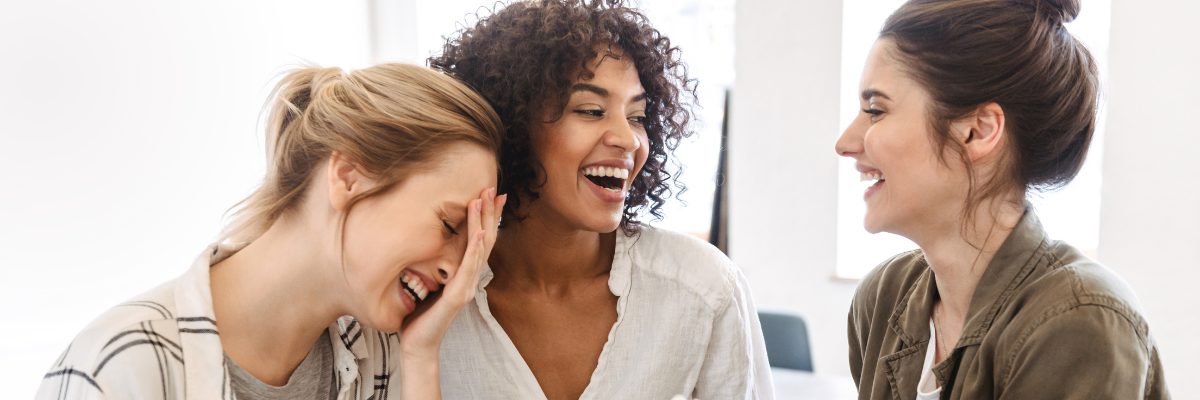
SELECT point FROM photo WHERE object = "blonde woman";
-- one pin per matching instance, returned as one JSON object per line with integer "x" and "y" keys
{"x": 379, "y": 191}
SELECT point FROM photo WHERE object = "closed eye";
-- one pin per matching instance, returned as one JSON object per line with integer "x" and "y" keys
{"x": 591, "y": 113}
{"x": 872, "y": 111}
{"x": 449, "y": 228}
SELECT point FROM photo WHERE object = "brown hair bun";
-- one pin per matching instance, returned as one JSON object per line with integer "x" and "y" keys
{"x": 1061, "y": 11}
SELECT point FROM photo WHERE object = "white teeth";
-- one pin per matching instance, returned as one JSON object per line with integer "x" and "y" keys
{"x": 406, "y": 293}
{"x": 607, "y": 172}
{"x": 404, "y": 278}
{"x": 870, "y": 176}
{"x": 417, "y": 285}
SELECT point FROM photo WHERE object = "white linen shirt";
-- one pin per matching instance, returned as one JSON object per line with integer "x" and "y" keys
{"x": 164, "y": 344}
{"x": 685, "y": 325}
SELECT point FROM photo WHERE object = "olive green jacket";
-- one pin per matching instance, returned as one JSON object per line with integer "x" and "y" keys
{"x": 1045, "y": 322}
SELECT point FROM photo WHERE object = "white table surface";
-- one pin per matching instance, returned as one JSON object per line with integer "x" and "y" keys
{"x": 791, "y": 384}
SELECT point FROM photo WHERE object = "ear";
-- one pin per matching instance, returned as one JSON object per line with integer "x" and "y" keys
{"x": 981, "y": 132}
{"x": 345, "y": 181}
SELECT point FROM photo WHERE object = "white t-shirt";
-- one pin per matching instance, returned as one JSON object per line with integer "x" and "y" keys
{"x": 927, "y": 388}
{"x": 686, "y": 324}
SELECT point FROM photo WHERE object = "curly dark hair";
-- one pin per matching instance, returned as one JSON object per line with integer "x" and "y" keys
{"x": 524, "y": 57}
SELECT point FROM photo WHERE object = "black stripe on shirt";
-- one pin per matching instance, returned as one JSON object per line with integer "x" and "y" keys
{"x": 188, "y": 330}
{"x": 197, "y": 319}
{"x": 130, "y": 332}
{"x": 346, "y": 335}
{"x": 73, "y": 371}
{"x": 159, "y": 357}
{"x": 162, "y": 310}
{"x": 58, "y": 363}
{"x": 126, "y": 346}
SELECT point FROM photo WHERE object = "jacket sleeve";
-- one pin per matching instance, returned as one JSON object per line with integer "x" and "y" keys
{"x": 735, "y": 365}
{"x": 1083, "y": 352}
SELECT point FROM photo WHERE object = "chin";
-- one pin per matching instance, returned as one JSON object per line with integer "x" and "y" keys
{"x": 386, "y": 319}
{"x": 605, "y": 225}
{"x": 872, "y": 225}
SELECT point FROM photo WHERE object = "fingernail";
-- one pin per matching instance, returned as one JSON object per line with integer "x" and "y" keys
{"x": 478, "y": 205}
{"x": 492, "y": 193}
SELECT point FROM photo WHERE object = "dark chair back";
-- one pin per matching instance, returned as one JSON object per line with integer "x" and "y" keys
{"x": 786, "y": 337}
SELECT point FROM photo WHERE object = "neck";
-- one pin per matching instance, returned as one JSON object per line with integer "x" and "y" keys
{"x": 535, "y": 254}
{"x": 959, "y": 255}
{"x": 272, "y": 300}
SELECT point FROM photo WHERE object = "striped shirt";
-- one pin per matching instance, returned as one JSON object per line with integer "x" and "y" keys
{"x": 164, "y": 344}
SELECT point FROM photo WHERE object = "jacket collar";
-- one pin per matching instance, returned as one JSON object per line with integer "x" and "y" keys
{"x": 1014, "y": 260}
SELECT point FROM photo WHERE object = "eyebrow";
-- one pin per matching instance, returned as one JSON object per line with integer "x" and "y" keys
{"x": 869, "y": 93}
{"x": 584, "y": 87}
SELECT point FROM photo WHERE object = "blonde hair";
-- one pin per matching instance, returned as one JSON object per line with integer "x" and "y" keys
{"x": 389, "y": 119}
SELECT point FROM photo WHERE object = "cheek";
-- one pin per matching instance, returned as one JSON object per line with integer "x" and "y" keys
{"x": 378, "y": 249}
{"x": 561, "y": 149}
{"x": 641, "y": 154}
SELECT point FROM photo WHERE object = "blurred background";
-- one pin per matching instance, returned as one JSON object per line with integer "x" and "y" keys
{"x": 130, "y": 127}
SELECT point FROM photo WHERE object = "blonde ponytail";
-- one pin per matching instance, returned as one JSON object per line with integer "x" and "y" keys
{"x": 388, "y": 118}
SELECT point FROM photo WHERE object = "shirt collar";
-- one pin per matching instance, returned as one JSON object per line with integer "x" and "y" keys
{"x": 205, "y": 367}
{"x": 620, "y": 277}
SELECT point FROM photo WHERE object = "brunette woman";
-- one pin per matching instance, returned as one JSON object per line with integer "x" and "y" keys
{"x": 379, "y": 191}
{"x": 580, "y": 300}
{"x": 968, "y": 106}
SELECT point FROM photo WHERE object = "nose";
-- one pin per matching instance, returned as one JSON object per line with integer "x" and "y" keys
{"x": 622, "y": 135}
{"x": 448, "y": 263}
{"x": 850, "y": 144}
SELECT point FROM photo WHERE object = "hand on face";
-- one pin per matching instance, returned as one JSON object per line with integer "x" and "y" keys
{"x": 422, "y": 331}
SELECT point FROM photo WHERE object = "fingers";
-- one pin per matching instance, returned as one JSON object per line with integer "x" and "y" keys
{"x": 461, "y": 287}
{"x": 489, "y": 216}
{"x": 474, "y": 217}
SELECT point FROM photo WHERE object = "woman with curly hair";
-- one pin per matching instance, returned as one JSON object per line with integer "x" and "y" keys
{"x": 580, "y": 299}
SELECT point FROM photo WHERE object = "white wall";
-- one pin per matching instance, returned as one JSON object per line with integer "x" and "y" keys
{"x": 1150, "y": 204}
{"x": 782, "y": 167}
{"x": 128, "y": 127}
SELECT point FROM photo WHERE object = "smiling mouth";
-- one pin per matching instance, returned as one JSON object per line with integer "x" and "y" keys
{"x": 414, "y": 287}
{"x": 609, "y": 178}
{"x": 872, "y": 177}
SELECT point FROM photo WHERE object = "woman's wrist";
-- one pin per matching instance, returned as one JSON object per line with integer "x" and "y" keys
{"x": 419, "y": 379}
{"x": 418, "y": 357}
